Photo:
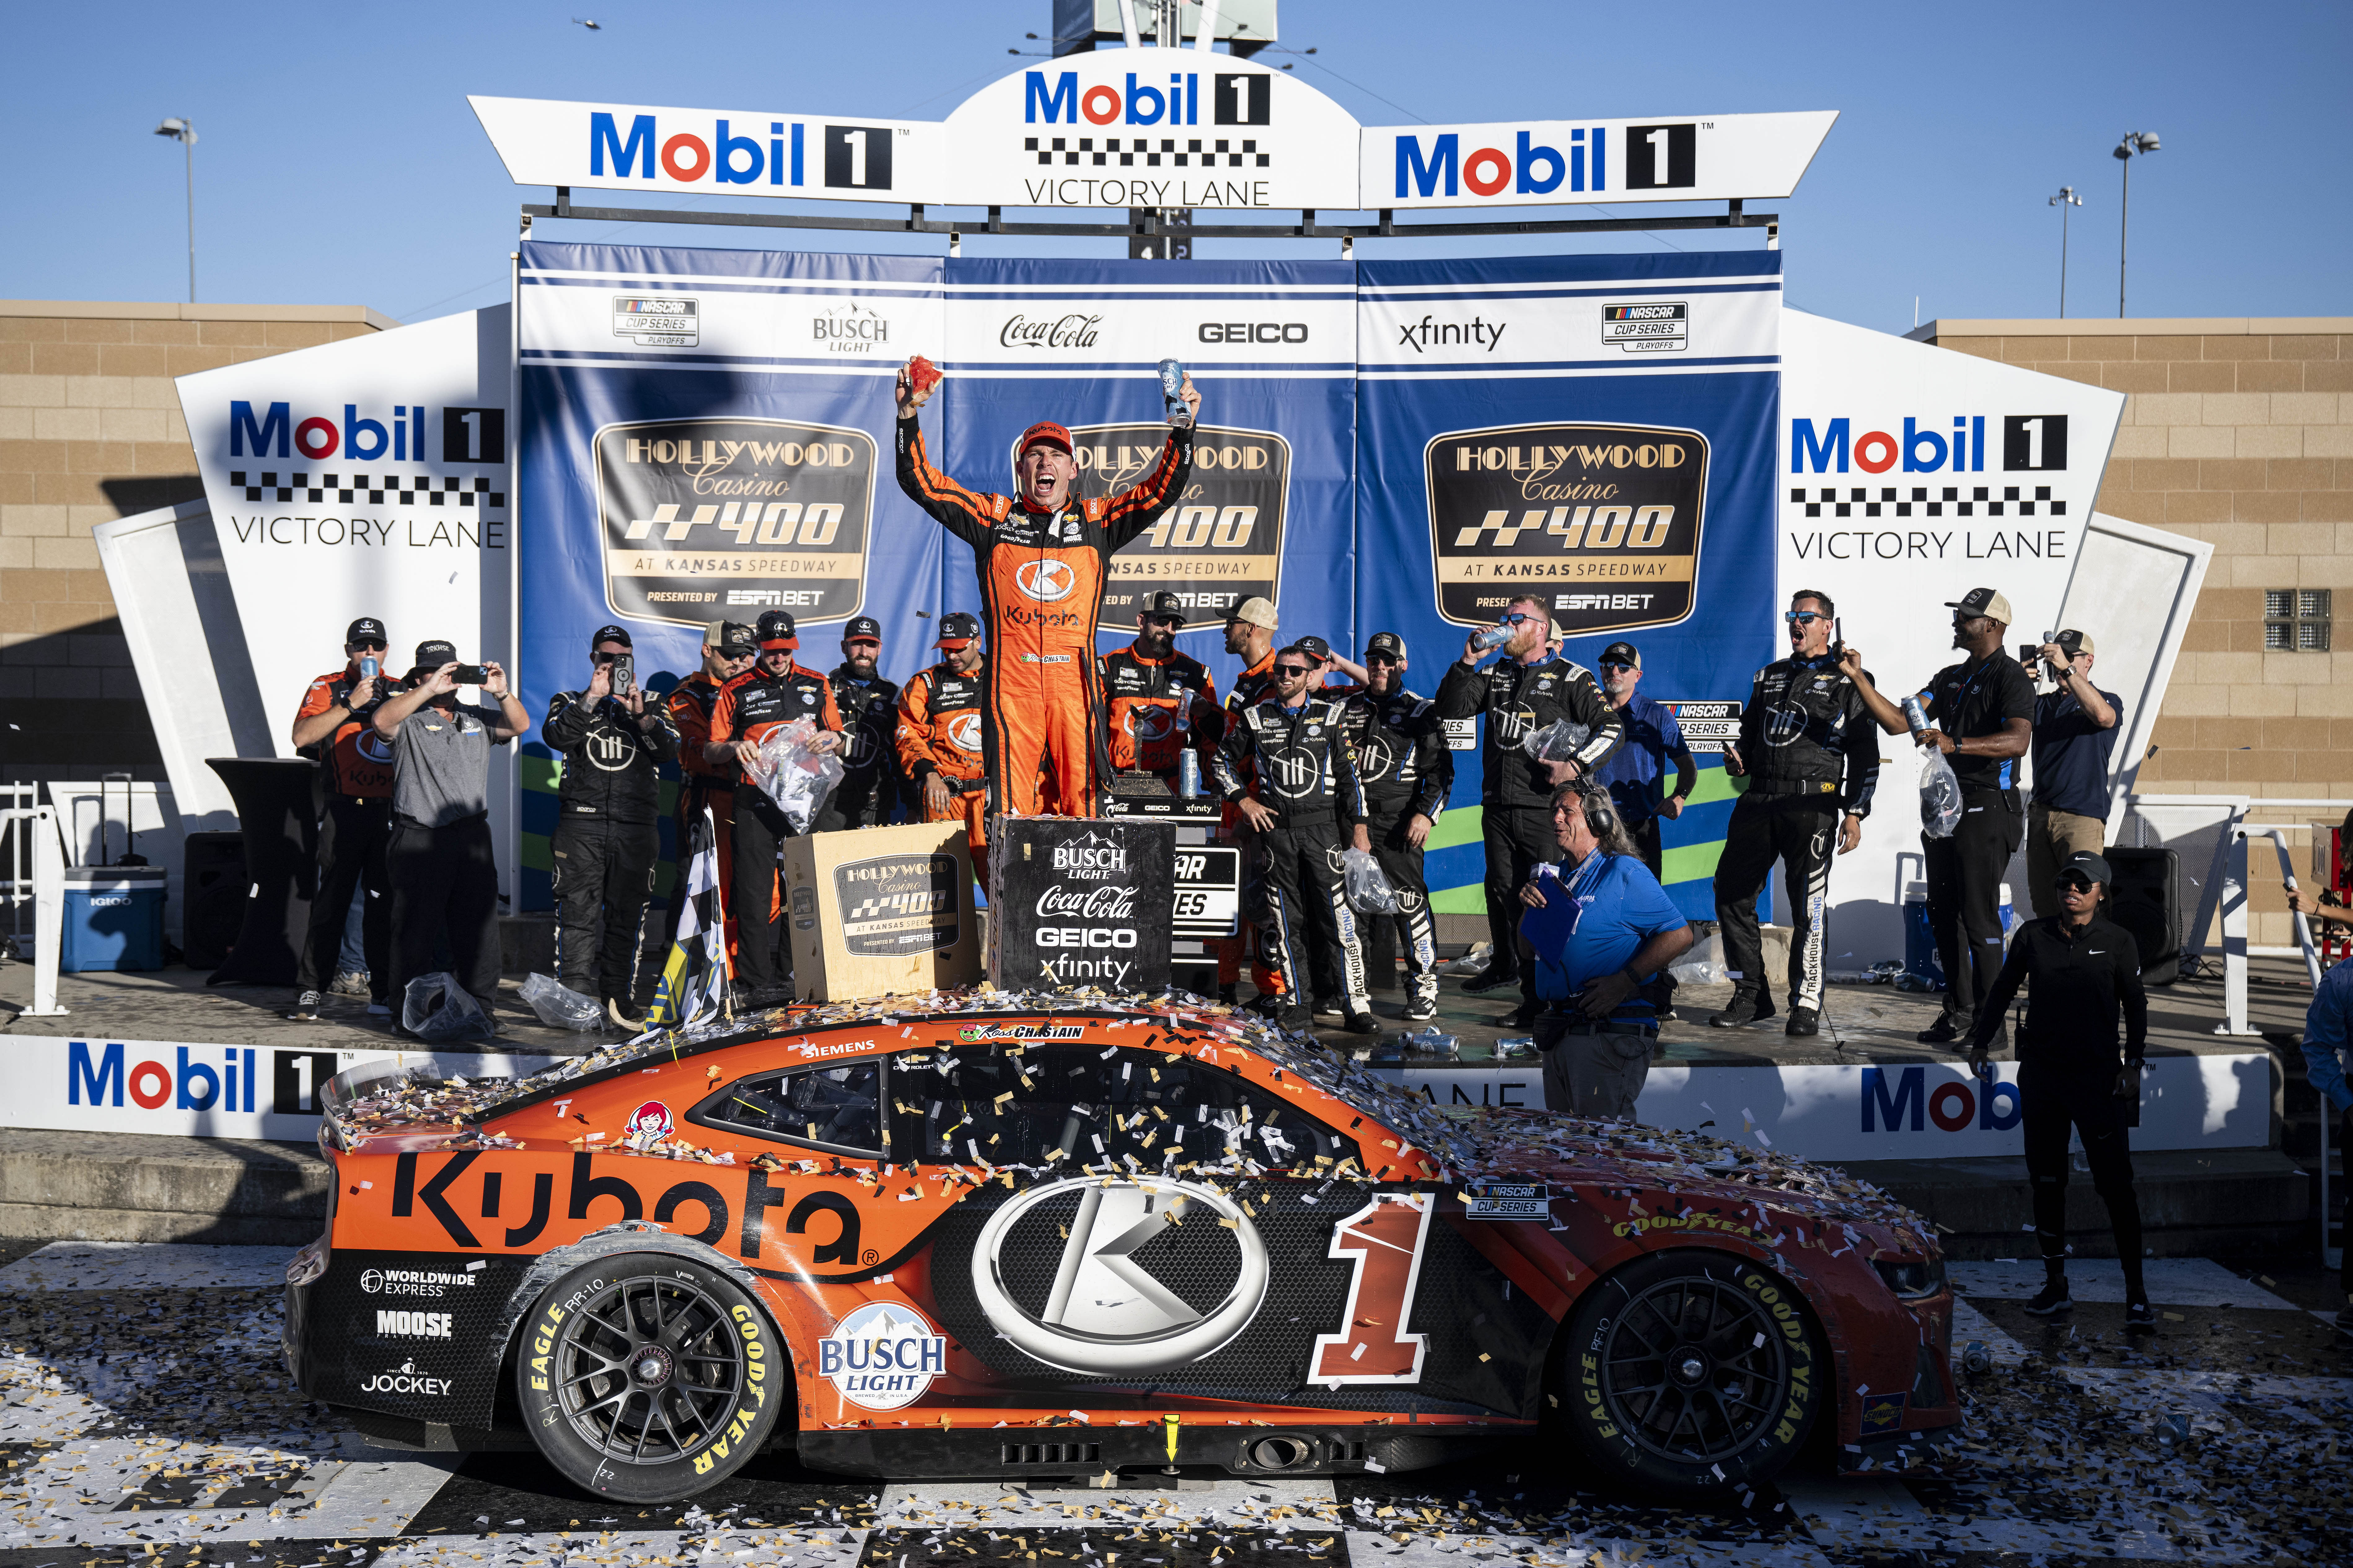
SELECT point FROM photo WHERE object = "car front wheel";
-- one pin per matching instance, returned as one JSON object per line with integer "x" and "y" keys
{"x": 1692, "y": 1372}
{"x": 647, "y": 1377}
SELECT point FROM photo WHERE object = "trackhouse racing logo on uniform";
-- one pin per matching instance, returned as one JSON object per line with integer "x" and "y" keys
{"x": 1603, "y": 522}
{"x": 1219, "y": 544}
{"x": 690, "y": 509}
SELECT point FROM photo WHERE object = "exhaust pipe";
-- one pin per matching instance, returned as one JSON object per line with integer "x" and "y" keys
{"x": 1281, "y": 1452}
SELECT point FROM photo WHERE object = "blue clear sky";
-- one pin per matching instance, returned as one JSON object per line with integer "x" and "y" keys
{"x": 339, "y": 163}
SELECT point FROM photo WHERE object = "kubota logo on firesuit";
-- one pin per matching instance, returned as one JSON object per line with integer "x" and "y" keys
{"x": 1048, "y": 581}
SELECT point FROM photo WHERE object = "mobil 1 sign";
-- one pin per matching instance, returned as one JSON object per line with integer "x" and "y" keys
{"x": 1081, "y": 901}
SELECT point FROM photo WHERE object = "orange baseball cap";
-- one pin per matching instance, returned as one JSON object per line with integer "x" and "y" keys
{"x": 1051, "y": 433}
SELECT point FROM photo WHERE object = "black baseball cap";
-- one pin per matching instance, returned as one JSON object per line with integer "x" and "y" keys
{"x": 367, "y": 628}
{"x": 610, "y": 634}
{"x": 1165, "y": 606}
{"x": 958, "y": 628}
{"x": 733, "y": 638}
{"x": 865, "y": 627}
{"x": 1388, "y": 643}
{"x": 2088, "y": 866}
{"x": 1622, "y": 653}
{"x": 776, "y": 630}
{"x": 1316, "y": 648}
{"x": 435, "y": 653}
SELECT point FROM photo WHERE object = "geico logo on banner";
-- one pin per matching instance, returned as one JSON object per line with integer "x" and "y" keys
{"x": 467, "y": 434}
{"x": 2031, "y": 443}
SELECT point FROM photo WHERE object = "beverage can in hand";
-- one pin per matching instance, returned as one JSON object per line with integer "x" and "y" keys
{"x": 1172, "y": 391}
{"x": 1188, "y": 773}
{"x": 1916, "y": 716}
{"x": 1491, "y": 638}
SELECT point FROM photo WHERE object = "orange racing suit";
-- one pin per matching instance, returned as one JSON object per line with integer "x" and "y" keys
{"x": 702, "y": 785}
{"x": 1042, "y": 589}
{"x": 939, "y": 732}
{"x": 1159, "y": 708}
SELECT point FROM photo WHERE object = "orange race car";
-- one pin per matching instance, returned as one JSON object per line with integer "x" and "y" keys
{"x": 1011, "y": 1236}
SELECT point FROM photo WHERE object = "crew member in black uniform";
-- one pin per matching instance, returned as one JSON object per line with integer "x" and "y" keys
{"x": 1309, "y": 806}
{"x": 869, "y": 793}
{"x": 1407, "y": 772}
{"x": 2080, "y": 971}
{"x": 1526, "y": 690}
{"x": 1810, "y": 751}
{"x": 608, "y": 825}
{"x": 1981, "y": 716}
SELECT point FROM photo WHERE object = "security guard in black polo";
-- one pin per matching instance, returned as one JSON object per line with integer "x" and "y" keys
{"x": 1407, "y": 772}
{"x": 607, "y": 834}
{"x": 869, "y": 793}
{"x": 1811, "y": 754}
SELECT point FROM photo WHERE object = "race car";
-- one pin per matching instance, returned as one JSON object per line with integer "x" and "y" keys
{"x": 1021, "y": 1236}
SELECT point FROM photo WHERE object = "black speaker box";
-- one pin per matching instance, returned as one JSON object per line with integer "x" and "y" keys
{"x": 214, "y": 873}
{"x": 2145, "y": 899}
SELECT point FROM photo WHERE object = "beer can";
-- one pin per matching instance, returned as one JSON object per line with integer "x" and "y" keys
{"x": 1916, "y": 716}
{"x": 1188, "y": 773}
{"x": 1491, "y": 637}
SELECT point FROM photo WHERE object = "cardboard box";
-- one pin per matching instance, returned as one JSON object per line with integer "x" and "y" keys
{"x": 1081, "y": 901}
{"x": 877, "y": 911}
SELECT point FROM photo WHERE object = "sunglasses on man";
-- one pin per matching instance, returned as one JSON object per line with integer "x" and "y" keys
{"x": 1608, "y": 664}
{"x": 1371, "y": 658}
{"x": 367, "y": 644}
{"x": 1291, "y": 671}
{"x": 2075, "y": 882}
{"x": 1516, "y": 618}
{"x": 1803, "y": 617}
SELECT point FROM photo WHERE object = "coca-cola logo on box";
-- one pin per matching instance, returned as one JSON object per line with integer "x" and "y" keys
{"x": 1081, "y": 902}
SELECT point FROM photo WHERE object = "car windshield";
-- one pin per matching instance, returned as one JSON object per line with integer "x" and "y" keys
{"x": 836, "y": 1108}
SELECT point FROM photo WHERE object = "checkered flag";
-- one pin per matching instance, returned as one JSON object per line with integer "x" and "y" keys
{"x": 695, "y": 977}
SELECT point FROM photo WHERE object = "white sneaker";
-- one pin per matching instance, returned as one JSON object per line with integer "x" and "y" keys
{"x": 306, "y": 1007}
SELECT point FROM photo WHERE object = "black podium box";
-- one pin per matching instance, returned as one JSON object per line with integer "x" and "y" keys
{"x": 1081, "y": 901}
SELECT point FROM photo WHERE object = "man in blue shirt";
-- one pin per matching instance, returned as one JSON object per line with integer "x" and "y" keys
{"x": 2075, "y": 729}
{"x": 1633, "y": 772}
{"x": 1597, "y": 927}
{"x": 2327, "y": 1034}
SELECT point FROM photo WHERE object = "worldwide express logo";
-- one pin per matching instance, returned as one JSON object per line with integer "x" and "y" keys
{"x": 2030, "y": 444}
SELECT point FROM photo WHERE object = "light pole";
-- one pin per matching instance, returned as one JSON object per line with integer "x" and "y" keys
{"x": 183, "y": 131}
{"x": 2066, "y": 198}
{"x": 2134, "y": 142}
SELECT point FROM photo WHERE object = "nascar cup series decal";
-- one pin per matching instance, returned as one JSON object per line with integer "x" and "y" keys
{"x": 1601, "y": 521}
{"x": 1133, "y": 1288}
{"x": 882, "y": 1356}
{"x": 1219, "y": 544}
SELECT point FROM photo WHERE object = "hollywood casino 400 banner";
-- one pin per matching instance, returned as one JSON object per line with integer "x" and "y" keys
{"x": 707, "y": 434}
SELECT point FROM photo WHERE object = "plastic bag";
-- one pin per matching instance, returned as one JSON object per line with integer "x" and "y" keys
{"x": 1940, "y": 795}
{"x": 797, "y": 777}
{"x": 1701, "y": 963}
{"x": 1474, "y": 961}
{"x": 436, "y": 1008}
{"x": 1556, "y": 741}
{"x": 559, "y": 1006}
{"x": 1369, "y": 892}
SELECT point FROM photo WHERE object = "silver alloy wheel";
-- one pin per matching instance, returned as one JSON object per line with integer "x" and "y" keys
{"x": 647, "y": 1370}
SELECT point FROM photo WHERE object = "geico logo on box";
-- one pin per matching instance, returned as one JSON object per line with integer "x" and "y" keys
{"x": 415, "y": 1325}
{"x": 1952, "y": 1105}
{"x": 467, "y": 434}
{"x": 1084, "y": 937}
{"x": 855, "y": 157}
{"x": 1252, "y": 331}
{"x": 2031, "y": 443}
{"x": 195, "y": 1086}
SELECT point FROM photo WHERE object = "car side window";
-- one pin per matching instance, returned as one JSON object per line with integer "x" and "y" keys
{"x": 1126, "y": 1106}
{"x": 837, "y": 1108}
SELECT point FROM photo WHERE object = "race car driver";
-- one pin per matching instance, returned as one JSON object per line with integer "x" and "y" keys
{"x": 868, "y": 795}
{"x": 1527, "y": 690}
{"x": 1307, "y": 806}
{"x": 1407, "y": 772}
{"x": 773, "y": 692}
{"x": 1161, "y": 702}
{"x": 728, "y": 650}
{"x": 332, "y": 727}
{"x": 1251, "y": 628}
{"x": 1043, "y": 557}
{"x": 608, "y": 825}
{"x": 938, "y": 738}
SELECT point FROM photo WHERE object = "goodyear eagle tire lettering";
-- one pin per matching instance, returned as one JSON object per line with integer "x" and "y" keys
{"x": 647, "y": 1380}
{"x": 1692, "y": 1372}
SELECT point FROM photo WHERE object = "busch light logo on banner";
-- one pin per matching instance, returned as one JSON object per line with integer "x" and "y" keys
{"x": 709, "y": 519}
{"x": 1221, "y": 544}
{"x": 1601, "y": 521}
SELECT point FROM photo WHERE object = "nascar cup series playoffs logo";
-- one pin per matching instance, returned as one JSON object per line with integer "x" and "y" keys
{"x": 699, "y": 516}
{"x": 1133, "y": 1292}
{"x": 882, "y": 1356}
{"x": 1219, "y": 544}
{"x": 1602, "y": 522}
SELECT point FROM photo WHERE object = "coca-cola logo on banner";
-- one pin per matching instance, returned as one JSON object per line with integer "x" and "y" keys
{"x": 700, "y": 517}
{"x": 1219, "y": 544}
{"x": 1601, "y": 522}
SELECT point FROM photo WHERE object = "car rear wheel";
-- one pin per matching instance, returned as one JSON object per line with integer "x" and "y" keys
{"x": 649, "y": 1377}
{"x": 1692, "y": 1372}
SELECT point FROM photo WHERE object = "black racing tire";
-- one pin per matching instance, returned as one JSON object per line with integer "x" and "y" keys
{"x": 1692, "y": 1372}
{"x": 647, "y": 1377}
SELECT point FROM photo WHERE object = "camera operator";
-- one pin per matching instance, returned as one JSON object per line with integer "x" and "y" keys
{"x": 1981, "y": 715}
{"x": 2075, "y": 729}
{"x": 355, "y": 824}
{"x": 1598, "y": 1026}
{"x": 445, "y": 884}
{"x": 2328, "y": 1036}
{"x": 608, "y": 825}
{"x": 2080, "y": 971}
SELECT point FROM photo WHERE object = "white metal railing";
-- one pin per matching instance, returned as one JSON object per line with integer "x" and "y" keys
{"x": 35, "y": 829}
{"x": 16, "y": 845}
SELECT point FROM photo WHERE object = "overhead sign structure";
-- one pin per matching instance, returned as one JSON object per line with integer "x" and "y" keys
{"x": 1151, "y": 128}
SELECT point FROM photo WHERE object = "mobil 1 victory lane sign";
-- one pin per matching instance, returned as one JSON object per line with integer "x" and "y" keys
{"x": 702, "y": 519}
{"x": 1219, "y": 544}
{"x": 1602, "y": 521}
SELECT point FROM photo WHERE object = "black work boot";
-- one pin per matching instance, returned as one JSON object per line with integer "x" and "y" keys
{"x": 1745, "y": 1008}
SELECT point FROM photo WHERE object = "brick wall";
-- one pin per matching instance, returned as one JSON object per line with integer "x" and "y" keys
{"x": 2238, "y": 432}
{"x": 91, "y": 429}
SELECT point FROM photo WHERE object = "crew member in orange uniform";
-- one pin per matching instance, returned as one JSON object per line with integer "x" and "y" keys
{"x": 939, "y": 734}
{"x": 1163, "y": 702}
{"x": 1043, "y": 557}
{"x": 727, "y": 652}
{"x": 334, "y": 727}
{"x": 770, "y": 694}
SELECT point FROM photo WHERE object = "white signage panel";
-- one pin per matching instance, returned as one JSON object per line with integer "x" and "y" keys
{"x": 1557, "y": 163}
{"x": 715, "y": 152}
